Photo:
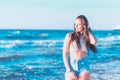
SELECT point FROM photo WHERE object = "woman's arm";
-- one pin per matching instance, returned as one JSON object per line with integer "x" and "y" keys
{"x": 93, "y": 40}
{"x": 66, "y": 46}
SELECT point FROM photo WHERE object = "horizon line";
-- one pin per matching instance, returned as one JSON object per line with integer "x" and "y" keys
{"x": 46, "y": 29}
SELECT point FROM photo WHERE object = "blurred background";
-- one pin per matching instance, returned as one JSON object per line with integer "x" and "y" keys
{"x": 32, "y": 34}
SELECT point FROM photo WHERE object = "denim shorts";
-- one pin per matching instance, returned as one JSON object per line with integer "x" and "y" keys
{"x": 80, "y": 66}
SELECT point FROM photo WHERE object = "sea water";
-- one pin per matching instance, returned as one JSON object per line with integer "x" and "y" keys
{"x": 37, "y": 55}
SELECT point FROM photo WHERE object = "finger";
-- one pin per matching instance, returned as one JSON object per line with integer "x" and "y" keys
{"x": 74, "y": 76}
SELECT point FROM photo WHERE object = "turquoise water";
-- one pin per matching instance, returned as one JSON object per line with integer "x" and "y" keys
{"x": 37, "y": 55}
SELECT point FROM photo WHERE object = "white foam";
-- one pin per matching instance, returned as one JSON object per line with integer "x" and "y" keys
{"x": 16, "y": 32}
{"x": 29, "y": 67}
{"x": 7, "y": 46}
{"x": 9, "y": 43}
{"x": 43, "y": 35}
{"x": 12, "y": 43}
{"x": 109, "y": 71}
{"x": 110, "y": 38}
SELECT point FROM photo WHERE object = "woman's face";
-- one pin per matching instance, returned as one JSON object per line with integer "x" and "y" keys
{"x": 78, "y": 25}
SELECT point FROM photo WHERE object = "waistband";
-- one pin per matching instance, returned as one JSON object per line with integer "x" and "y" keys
{"x": 82, "y": 59}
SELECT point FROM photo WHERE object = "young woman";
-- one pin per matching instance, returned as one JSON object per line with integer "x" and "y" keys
{"x": 77, "y": 44}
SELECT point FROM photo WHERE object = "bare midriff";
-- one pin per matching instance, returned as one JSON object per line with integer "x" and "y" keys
{"x": 77, "y": 54}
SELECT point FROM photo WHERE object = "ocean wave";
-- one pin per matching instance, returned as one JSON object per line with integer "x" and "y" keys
{"x": 17, "y": 35}
{"x": 110, "y": 38}
{"x": 32, "y": 43}
{"x": 106, "y": 71}
{"x": 9, "y": 43}
{"x": 17, "y": 32}
{"x": 8, "y": 58}
{"x": 42, "y": 35}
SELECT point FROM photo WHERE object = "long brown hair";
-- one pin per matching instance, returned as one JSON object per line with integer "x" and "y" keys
{"x": 75, "y": 35}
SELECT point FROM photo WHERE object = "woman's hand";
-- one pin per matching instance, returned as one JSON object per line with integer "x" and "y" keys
{"x": 70, "y": 75}
{"x": 93, "y": 40}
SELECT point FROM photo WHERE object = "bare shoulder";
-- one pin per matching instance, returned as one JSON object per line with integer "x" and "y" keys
{"x": 68, "y": 35}
{"x": 68, "y": 38}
